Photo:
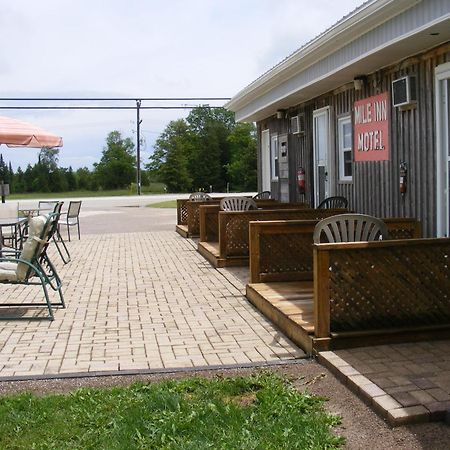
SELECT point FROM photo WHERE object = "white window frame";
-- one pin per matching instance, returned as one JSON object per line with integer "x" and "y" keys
{"x": 266, "y": 174}
{"x": 274, "y": 156}
{"x": 442, "y": 73}
{"x": 341, "y": 149}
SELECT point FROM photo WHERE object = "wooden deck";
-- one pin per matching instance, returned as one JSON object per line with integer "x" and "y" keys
{"x": 211, "y": 252}
{"x": 182, "y": 230}
{"x": 363, "y": 293}
{"x": 289, "y": 306}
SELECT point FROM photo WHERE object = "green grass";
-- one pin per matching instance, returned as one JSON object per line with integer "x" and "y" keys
{"x": 71, "y": 194}
{"x": 256, "y": 412}
{"x": 167, "y": 204}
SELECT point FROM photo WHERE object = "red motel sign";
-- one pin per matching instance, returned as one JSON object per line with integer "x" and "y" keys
{"x": 371, "y": 129}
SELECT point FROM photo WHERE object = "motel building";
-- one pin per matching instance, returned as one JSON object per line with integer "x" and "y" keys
{"x": 361, "y": 111}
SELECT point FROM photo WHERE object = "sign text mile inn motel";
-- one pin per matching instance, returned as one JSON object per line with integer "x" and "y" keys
{"x": 371, "y": 128}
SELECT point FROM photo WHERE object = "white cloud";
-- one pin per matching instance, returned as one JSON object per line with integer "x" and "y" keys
{"x": 143, "y": 48}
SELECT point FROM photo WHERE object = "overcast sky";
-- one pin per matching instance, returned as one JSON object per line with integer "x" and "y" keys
{"x": 141, "y": 48}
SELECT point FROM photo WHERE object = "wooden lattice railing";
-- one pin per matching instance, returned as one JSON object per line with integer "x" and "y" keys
{"x": 193, "y": 214}
{"x": 234, "y": 226}
{"x": 188, "y": 212}
{"x": 182, "y": 211}
{"x": 381, "y": 285}
{"x": 282, "y": 250}
{"x": 209, "y": 217}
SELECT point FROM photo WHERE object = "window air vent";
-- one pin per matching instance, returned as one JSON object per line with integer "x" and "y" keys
{"x": 298, "y": 124}
{"x": 404, "y": 91}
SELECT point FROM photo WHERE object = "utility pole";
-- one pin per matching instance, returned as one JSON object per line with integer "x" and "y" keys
{"x": 138, "y": 147}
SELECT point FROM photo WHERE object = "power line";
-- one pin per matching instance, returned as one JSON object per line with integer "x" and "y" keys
{"x": 109, "y": 107}
{"x": 138, "y": 106}
{"x": 155, "y": 99}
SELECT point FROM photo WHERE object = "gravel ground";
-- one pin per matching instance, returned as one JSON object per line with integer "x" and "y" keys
{"x": 361, "y": 427}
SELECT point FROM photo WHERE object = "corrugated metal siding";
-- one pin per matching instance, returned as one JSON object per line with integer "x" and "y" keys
{"x": 375, "y": 186}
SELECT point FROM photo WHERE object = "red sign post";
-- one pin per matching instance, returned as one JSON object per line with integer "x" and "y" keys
{"x": 371, "y": 129}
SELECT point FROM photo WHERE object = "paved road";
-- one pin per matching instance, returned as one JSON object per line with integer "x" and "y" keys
{"x": 108, "y": 203}
{"x": 100, "y": 215}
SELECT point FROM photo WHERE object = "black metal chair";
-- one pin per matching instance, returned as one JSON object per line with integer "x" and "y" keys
{"x": 264, "y": 195}
{"x": 71, "y": 218}
{"x": 333, "y": 202}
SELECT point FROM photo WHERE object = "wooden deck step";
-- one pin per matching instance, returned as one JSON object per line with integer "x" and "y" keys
{"x": 182, "y": 230}
{"x": 211, "y": 251}
{"x": 289, "y": 305}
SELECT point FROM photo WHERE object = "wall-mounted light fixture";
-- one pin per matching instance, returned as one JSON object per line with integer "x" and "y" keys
{"x": 359, "y": 81}
{"x": 281, "y": 114}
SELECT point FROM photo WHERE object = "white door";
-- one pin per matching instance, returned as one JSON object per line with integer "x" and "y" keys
{"x": 265, "y": 161}
{"x": 321, "y": 147}
{"x": 443, "y": 149}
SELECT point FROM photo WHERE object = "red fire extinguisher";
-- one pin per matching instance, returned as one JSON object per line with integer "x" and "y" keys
{"x": 301, "y": 180}
{"x": 403, "y": 177}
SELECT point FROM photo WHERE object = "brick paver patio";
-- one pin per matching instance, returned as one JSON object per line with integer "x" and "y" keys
{"x": 404, "y": 383}
{"x": 139, "y": 301}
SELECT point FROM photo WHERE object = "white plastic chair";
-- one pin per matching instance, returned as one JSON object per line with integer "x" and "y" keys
{"x": 350, "y": 228}
{"x": 237, "y": 204}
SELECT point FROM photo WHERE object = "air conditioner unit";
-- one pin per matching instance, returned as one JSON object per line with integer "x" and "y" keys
{"x": 298, "y": 124}
{"x": 404, "y": 91}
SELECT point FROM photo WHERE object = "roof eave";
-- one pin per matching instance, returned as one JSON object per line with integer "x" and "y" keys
{"x": 350, "y": 28}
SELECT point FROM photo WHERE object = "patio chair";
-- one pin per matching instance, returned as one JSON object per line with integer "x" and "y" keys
{"x": 71, "y": 218}
{"x": 31, "y": 266}
{"x": 10, "y": 235}
{"x": 264, "y": 195}
{"x": 45, "y": 207}
{"x": 237, "y": 204}
{"x": 56, "y": 235}
{"x": 350, "y": 228}
{"x": 199, "y": 197}
{"x": 333, "y": 202}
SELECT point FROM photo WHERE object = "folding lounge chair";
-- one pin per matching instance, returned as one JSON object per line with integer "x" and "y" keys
{"x": 32, "y": 266}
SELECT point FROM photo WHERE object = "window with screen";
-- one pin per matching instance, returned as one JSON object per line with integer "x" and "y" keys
{"x": 345, "y": 148}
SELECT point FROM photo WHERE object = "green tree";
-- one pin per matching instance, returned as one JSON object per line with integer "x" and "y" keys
{"x": 207, "y": 149}
{"x": 170, "y": 157}
{"x": 19, "y": 181}
{"x": 241, "y": 169}
{"x": 84, "y": 179}
{"x": 210, "y": 154}
{"x": 4, "y": 173}
{"x": 116, "y": 168}
{"x": 70, "y": 179}
{"x": 48, "y": 157}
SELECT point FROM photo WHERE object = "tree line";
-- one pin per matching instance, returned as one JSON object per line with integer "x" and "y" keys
{"x": 206, "y": 150}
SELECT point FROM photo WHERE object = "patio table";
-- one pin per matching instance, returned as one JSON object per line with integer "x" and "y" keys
{"x": 14, "y": 223}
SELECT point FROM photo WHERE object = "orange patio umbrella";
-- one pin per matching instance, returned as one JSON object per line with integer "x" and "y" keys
{"x": 15, "y": 133}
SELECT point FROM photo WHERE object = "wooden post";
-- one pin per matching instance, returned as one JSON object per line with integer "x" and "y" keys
{"x": 321, "y": 293}
{"x": 254, "y": 251}
{"x": 222, "y": 234}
